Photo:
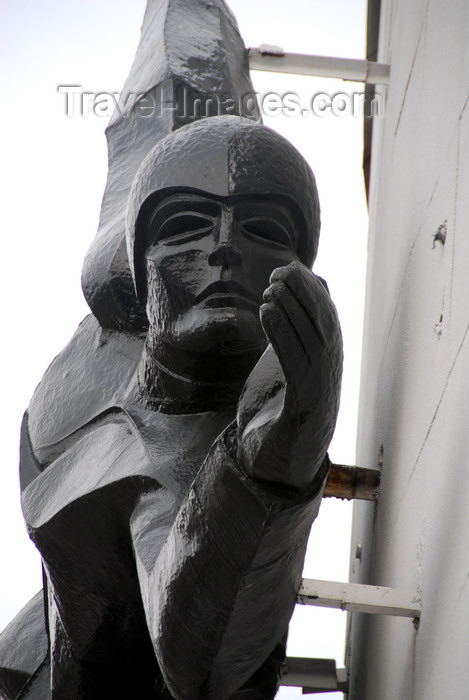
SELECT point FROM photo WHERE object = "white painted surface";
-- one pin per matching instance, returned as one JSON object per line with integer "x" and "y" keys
{"x": 358, "y": 597}
{"x": 415, "y": 371}
{"x": 272, "y": 59}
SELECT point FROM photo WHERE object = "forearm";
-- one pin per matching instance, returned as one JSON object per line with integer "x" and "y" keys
{"x": 287, "y": 441}
{"x": 224, "y": 586}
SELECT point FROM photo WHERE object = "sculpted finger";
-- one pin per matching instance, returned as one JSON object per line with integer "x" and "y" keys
{"x": 285, "y": 340}
{"x": 306, "y": 332}
{"x": 312, "y": 294}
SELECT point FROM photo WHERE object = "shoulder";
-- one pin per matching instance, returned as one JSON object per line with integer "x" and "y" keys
{"x": 89, "y": 377}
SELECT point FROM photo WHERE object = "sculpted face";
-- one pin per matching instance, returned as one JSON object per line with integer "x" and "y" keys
{"x": 215, "y": 207}
{"x": 208, "y": 263}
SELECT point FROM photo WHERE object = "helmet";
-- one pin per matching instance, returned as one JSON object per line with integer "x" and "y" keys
{"x": 221, "y": 156}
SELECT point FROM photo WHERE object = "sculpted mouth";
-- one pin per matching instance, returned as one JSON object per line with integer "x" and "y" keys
{"x": 219, "y": 294}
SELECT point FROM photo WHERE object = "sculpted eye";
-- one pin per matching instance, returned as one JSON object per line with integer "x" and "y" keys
{"x": 267, "y": 229}
{"x": 184, "y": 226}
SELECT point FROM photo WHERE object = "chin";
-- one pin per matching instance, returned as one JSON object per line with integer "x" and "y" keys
{"x": 224, "y": 330}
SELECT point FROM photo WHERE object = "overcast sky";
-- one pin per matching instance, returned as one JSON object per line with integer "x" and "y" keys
{"x": 52, "y": 183}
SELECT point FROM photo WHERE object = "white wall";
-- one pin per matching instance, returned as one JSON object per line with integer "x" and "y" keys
{"x": 415, "y": 372}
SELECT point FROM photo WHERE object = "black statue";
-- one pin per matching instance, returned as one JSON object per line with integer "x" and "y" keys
{"x": 172, "y": 462}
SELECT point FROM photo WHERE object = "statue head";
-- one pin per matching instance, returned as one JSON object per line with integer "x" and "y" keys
{"x": 215, "y": 207}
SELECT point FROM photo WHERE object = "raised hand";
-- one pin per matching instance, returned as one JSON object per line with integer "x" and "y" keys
{"x": 288, "y": 409}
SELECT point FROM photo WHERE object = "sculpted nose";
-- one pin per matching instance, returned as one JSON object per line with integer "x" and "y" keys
{"x": 225, "y": 254}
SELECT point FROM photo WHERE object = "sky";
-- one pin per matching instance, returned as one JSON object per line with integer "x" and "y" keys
{"x": 52, "y": 180}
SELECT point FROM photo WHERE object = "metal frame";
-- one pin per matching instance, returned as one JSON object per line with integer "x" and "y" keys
{"x": 274, "y": 59}
{"x": 321, "y": 675}
{"x": 358, "y": 597}
{"x": 314, "y": 675}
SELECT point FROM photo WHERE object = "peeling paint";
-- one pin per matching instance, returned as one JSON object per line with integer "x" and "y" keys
{"x": 440, "y": 235}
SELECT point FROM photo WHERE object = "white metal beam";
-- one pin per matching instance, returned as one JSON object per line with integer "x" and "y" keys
{"x": 357, "y": 597}
{"x": 310, "y": 673}
{"x": 274, "y": 59}
{"x": 314, "y": 675}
